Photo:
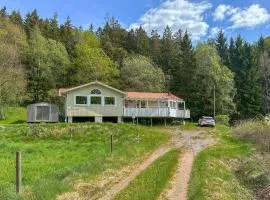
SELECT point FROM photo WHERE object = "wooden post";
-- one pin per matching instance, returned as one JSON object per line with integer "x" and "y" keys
{"x": 70, "y": 134}
{"x": 151, "y": 122}
{"x": 111, "y": 143}
{"x": 18, "y": 172}
{"x": 165, "y": 122}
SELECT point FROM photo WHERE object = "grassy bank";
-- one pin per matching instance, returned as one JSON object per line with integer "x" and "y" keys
{"x": 213, "y": 175}
{"x": 151, "y": 182}
{"x": 14, "y": 115}
{"x": 54, "y": 156}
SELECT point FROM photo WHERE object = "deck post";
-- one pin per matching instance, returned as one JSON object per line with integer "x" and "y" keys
{"x": 158, "y": 107}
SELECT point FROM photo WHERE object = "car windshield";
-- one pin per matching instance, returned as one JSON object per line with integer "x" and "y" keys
{"x": 208, "y": 118}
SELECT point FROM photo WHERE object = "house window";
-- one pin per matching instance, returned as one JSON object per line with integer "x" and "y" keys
{"x": 109, "y": 100}
{"x": 95, "y": 91}
{"x": 95, "y": 100}
{"x": 143, "y": 104}
{"x": 81, "y": 100}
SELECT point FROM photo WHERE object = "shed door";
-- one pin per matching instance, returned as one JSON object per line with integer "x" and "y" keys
{"x": 43, "y": 113}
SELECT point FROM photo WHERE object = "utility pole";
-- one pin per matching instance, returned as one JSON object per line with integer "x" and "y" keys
{"x": 214, "y": 102}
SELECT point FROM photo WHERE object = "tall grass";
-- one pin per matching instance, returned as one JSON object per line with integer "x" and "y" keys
{"x": 254, "y": 171}
{"x": 254, "y": 131}
{"x": 151, "y": 182}
{"x": 54, "y": 156}
{"x": 213, "y": 176}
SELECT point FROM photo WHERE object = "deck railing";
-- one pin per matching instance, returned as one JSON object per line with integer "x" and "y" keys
{"x": 156, "y": 112}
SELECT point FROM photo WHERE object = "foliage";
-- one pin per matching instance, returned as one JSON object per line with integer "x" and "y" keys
{"x": 47, "y": 64}
{"x": 53, "y": 160}
{"x": 12, "y": 82}
{"x": 211, "y": 73}
{"x": 92, "y": 64}
{"x": 139, "y": 74}
{"x": 156, "y": 175}
{"x": 242, "y": 63}
{"x": 263, "y": 62}
{"x": 222, "y": 119}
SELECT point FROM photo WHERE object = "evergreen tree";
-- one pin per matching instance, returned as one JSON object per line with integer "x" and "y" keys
{"x": 53, "y": 28}
{"x": 3, "y": 12}
{"x": 155, "y": 46}
{"x": 248, "y": 97}
{"x": 31, "y": 21}
{"x": 67, "y": 36}
{"x": 112, "y": 38}
{"x": 184, "y": 74}
{"x": 16, "y": 18}
{"x": 142, "y": 42}
{"x": 167, "y": 51}
{"x": 130, "y": 42}
{"x": 222, "y": 48}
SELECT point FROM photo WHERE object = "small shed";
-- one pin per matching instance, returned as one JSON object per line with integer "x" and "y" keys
{"x": 42, "y": 112}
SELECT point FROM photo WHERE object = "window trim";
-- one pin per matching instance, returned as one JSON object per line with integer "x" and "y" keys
{"x": 109, "y": 104}
{"x": 87, "y": 100}
{"x": 96, "y": 90}
{"x": 101, "y": 102}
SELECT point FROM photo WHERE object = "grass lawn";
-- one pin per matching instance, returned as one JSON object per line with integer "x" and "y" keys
{"x": 14, "y": 115}
{"x": 212, "y": 175}
{"x": 52, "y": 160}
{"x": 151, "y": 182}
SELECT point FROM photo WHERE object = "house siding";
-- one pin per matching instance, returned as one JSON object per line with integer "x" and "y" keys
{"x": 73, "y": 110}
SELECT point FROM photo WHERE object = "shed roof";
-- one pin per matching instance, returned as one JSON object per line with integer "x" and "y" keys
{"x": 152, "y": 95}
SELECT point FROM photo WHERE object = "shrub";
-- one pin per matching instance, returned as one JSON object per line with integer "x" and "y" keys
{"x": 223, "y": 119}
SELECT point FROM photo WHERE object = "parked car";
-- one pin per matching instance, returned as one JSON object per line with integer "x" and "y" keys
{"x": 207, "y": 121}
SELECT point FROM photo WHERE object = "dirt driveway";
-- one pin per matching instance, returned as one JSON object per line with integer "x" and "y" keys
{"x": 192, "y": 140}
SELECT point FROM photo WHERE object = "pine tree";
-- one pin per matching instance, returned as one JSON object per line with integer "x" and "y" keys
{"x": 31, "y": 21}
{"x": 142, "y": 42}
{"x": 16, "y": 18}
{"x": 167, "y": 52}
{"x": 3, "y": 12}
{"x": 248, "y": 96}
{"x": 155, "y": 45}
{"x": 222, "y": 48}
{"x": 53, "y": 28}
{"x": 130, "y": 42}
{"x": 67, "y": 36}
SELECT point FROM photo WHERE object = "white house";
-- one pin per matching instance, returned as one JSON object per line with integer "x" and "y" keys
{"x": 97, "y": 102}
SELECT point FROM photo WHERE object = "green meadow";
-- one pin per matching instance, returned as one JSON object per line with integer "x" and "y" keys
{"x": 54, "y": 156}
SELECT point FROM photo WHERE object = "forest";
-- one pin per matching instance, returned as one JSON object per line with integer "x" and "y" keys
{"x": 38, "y": 56}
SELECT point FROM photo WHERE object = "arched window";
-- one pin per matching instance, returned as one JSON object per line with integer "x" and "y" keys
{"x": 95, "y": 91}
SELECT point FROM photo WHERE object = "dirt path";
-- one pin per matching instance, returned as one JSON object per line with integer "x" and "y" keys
{"x": 179, "y": 184}
{"x": 124, "y": 183}
{"x": 114, "y": 184}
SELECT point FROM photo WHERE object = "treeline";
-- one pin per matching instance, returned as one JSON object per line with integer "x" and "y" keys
{"x": 40, "y": 55}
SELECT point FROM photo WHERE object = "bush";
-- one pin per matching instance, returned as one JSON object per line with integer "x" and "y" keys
{"x": 223, "y": 120}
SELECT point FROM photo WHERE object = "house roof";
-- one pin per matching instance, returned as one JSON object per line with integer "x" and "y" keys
{"x": 129, "y": 95}
{"x": 63, "y": 91}
{"x": 152, "y": 95}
